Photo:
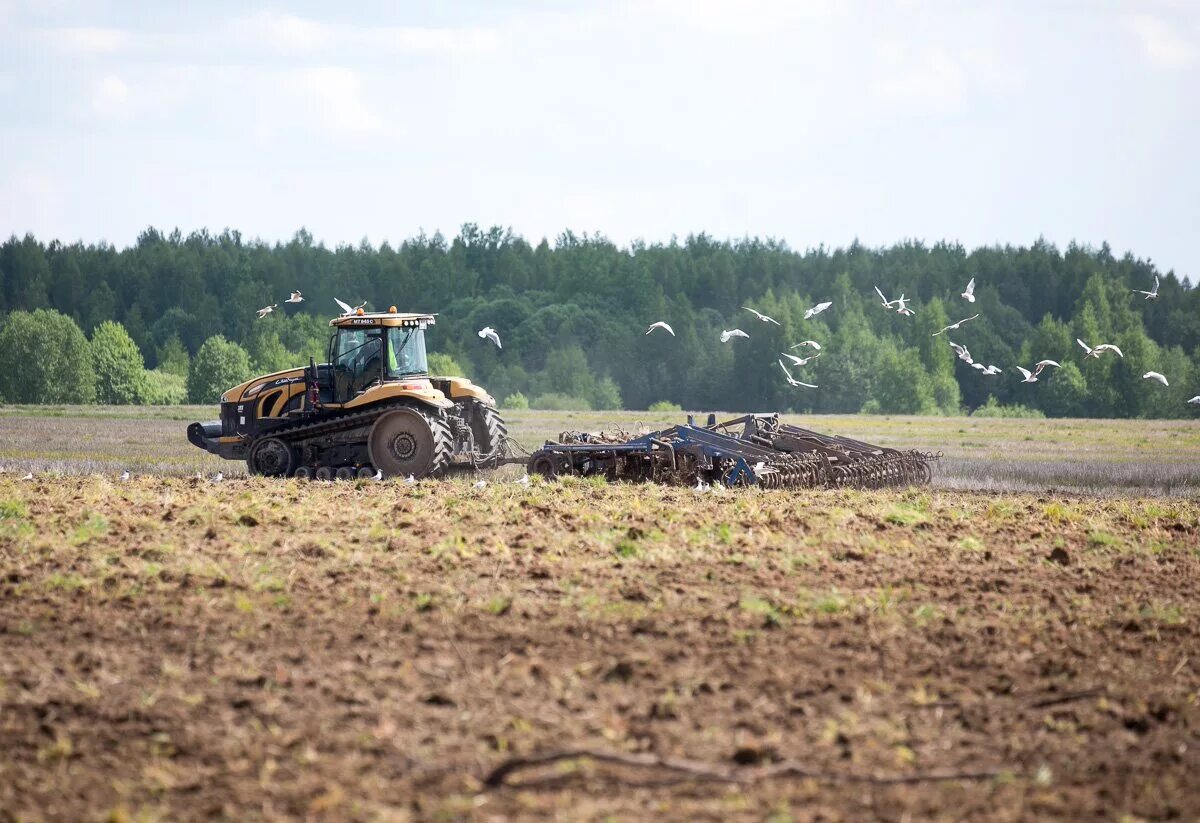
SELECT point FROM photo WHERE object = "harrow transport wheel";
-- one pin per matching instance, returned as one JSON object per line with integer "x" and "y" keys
{"x": 270, "y": 457}
{"x": 543, "y": 463}
{"x": 345, "y": 473}
{"x": 409, "y": 441}
{"x": 366, "y": 473}
{"x": 324, "y": 474}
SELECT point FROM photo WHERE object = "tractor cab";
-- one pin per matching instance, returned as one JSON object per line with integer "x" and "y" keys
{"x": 367, "y": 349}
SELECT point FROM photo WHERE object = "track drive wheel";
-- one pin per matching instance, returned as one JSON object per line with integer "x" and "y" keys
{"x": 487, "y": 427}
{"x": 409, "y": 441}
{"x": 270, "y": 457}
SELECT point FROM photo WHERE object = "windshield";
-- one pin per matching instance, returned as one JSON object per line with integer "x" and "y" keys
{"x": 406, "y": 351}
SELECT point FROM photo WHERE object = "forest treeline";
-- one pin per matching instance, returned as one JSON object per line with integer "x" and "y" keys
{"x": 572, "y": 316}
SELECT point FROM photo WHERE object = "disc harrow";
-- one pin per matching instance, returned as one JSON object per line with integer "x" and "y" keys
{"x": 752, "y": 450}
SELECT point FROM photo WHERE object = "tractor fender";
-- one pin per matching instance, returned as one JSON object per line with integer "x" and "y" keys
{"x": 420, "y": 392}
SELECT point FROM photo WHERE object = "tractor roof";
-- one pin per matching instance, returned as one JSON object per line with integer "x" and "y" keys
{"x": 384, "y": 318}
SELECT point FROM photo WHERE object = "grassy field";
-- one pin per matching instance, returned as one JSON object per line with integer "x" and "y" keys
{"x": 1142, "y": 457}
{"x": 177, "y": 649}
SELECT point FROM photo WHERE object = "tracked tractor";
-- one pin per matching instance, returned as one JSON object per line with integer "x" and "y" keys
{"x": 372, "y": 406}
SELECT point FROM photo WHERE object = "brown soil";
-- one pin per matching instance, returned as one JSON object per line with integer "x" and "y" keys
{"x": 253, "y": 650}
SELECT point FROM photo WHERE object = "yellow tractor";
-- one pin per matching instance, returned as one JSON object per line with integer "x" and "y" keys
{"x": 372, "y": 407}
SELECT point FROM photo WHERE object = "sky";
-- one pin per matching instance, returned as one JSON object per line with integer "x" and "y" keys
{"x": 809, "y": 121}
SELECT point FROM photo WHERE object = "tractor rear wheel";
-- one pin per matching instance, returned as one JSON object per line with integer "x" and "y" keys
{"x": 409, "y": 441}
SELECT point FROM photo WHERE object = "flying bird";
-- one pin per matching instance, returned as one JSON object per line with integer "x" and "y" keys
{"x": 1030, "y": 377}
{"x": 955, "y": 325}
{"x": 969, "y": 293}
{"x": 1195, "y": 401}
{"x": 1152, "y": 294}
{"x": 962, "y": 352}
{"x": 265, "y": 310}
{"x": 1037, "y": 369}
{"x": 812, "y": 344}
{"x": 887, "y": 304}
{"x": 1096, "y": 352}
{"x": 800, "y": 361}
{"x": 793, "y": 381}
{"x": 346, "y": 308}
{"x": 661, "y": 325}
{"x": 817, "y": 309}
{"x": 1153, "y": 375}
{"x": 488, "y": 333}
{"x": 295, "y": 298}
{"x": 992, "y": 370}
{"x": 731, "y": 333}
{"x": 761, "y": 316}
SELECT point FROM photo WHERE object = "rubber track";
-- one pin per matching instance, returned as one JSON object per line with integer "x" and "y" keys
{"x": 299, "y": 432}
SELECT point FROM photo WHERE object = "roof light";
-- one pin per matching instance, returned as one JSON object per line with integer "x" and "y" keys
{"x": 360, "y": 312}
{"x": 391, "y": 309}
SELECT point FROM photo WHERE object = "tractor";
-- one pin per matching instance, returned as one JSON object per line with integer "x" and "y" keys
{"x": 373, "y": 407}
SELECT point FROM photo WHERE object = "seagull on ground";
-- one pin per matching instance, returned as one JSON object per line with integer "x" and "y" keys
{"x": 480, "y": 484}
{"x": 817, "y": 309}
{"x": 488, "y": 333}
{"x": 378, "y": 476}
{"x": 728, "y": 334}
{"x": 700, "y": 486}
{"x": 346, "y": 308}
{"x": 410, "y": 481}
{"x": 218, "y": 477}
{"x": 955, "y": 325}
{"x": 969, "y": 293}
{"x": 295, "y": 298}
{"x": 812, "y": 344}
{"x": 524, "y": 481}
{"x": 762, "y": 316}
{"x": 1096, "y": 352}
{"x": 800, "y": 361}
{"x": 1152, "y": 294}
{"x": 661, "y": 325}
{"x": 265, "y": 310}
{"x": 125, "y": 475}
{"x": 28, "y": 476}
{"x": 793, "y": 381}
{"x": 1153, "y": 375}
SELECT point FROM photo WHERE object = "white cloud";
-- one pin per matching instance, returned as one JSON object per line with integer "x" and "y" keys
{"x": 1163, "y": 45}
{"x": 31, "y": 201}
{"x": 291, "y": 34}
{"x": 743, "y": 17}
{"x": 86, "y": 41}
{"x": 332, "y": 98}
{"x": 932, "y": 79}
{"x": 110, "y": 97}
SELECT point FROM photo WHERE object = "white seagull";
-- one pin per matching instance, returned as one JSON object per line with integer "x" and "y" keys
{"x": 346, "y": 308}
{"x": 731, "y": 333}
{"x": 124, "y": 475}
{"x": 761, "y": 316}
{"x": 812, "y": 344}
{"x": 1030, "y": 377}
{"x": 479, "y": 484}
{"x": 800, "y": 361}
{"x": 1037, "y": 369}
{"x": 992, "y": 370}
{"x": 218, "y": 477}
{"x": 955, "y": 325}
{"x": 1153, "y": 375}
{"x": 887, "y": 304}
{"x": 1096, "y": 352}
{"x": 295, "y": 298}
{"x": 700, "y": 486}
{"x": 410, "y": 481}
{"x": 962, "y": 352}
{"x": 28, "y": 476}
{"x": 817, "y": 309}
{"x": 1195, "y": 401}
{"x": 969, "y": 293}
{"x": 1150, "y": 295}
{"x": 488, "y": 333}
{"x": 524, "y": 481}
{"x": 791, "y": 380}
{"x": 661, "y": 325}
{"x": 378, "y": 476}
{"x": 265, "y": 310}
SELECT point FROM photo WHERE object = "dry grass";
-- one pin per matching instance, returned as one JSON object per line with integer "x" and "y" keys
{"x": 1114, "y": 457}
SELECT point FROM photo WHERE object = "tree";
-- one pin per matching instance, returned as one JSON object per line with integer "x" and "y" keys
{"x": 173, "y": 357}
{"x": 118, "y": 365}
{"x": 218, "y": 365}
{"x": 45, "y": 358}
